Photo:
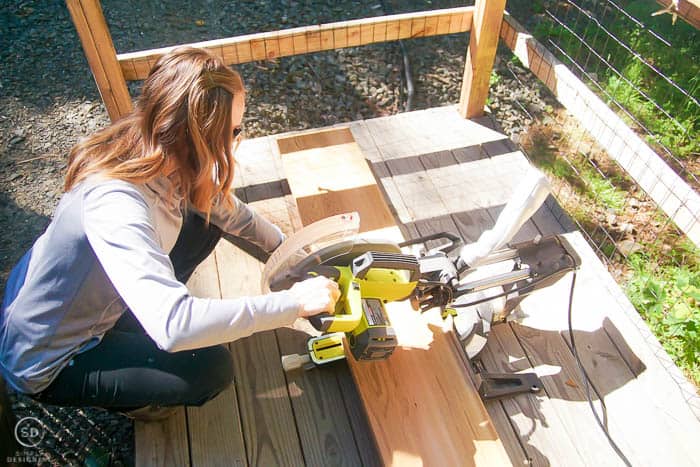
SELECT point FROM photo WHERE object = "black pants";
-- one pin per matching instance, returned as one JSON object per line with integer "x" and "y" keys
{"x": 126, "y": 370}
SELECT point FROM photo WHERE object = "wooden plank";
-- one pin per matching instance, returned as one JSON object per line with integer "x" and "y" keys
{"x": 272, "y": 48}
{"x": 442, "y": 419}
{"x": 99, "y": 50}
{"x": 216, "y": 436}
{"x": 483, "y": 40}
{"x": 418, "y": 27}
{"x": 162, "y": 443}
{"x": 327, "y": 39}
{"x": 405, "y": 28}
{"x": 534, "y": 417}
{"x": 323, "y": 424}
{"x": 366, "y": 447}
{"x": 511, "y": 441}
{"x": 472, "y": 223}
{"x": 321, "y": 418}
{"x": 564, "y": 387}
{"x": 166, "y": 443}
{"x": 357, "y": 191}
{"x": 266, "y": 413}
{"x": 309, "y": 38}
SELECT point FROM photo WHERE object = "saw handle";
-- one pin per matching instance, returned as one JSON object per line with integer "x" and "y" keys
{"x": 321, "y": 321}
{"x": 351, "y": 301}
{"x": 373, "y": 259}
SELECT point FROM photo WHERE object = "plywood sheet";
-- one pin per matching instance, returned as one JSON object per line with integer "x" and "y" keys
{"x": 422, "y": 406}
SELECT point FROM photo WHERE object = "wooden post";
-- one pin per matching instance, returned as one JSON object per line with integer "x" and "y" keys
{"x": 483, "y": 40}
{"x": 97, "y": 43}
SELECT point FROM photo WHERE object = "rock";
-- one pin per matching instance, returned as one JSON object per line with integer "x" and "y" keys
{"x": 16, "y": 140}
{"x": 627, "y": 247}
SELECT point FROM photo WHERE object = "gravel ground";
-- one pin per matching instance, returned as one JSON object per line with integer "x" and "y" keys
{"x": 48, "y": 100}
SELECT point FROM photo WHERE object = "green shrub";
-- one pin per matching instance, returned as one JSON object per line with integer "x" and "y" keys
{"x": 668, "y": 298}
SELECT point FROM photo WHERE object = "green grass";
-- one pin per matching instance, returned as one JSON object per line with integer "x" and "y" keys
{"x": 667, "y": 295}
{"x": 603, "y": 191}
{"x": 679, "y": 61}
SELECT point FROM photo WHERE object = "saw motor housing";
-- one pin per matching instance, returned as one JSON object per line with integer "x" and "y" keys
{"x": 372, "y": 279}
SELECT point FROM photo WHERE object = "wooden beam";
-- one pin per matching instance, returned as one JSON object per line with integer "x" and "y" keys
{"x": 421, "y": 404}
{"x": 97, "y": 43}
{"x": 483, "y": 40}
{"x": 688, "y": 10}
{"x": 308, "y": 39}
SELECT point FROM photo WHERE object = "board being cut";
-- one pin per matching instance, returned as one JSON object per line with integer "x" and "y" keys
{"x": 421, "y": 404}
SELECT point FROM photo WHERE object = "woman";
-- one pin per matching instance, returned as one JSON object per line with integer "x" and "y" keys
{"x": 96, "y": 312}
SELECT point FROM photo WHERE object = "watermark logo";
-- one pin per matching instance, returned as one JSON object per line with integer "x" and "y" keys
{"x": 29, "y": 432}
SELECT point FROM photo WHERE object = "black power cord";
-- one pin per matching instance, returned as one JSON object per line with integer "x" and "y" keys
{"x": 587, "y": 382}
{"x": 388, "y": 8}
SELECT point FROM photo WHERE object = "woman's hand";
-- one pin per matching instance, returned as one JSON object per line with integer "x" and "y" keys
{"x": 315, "y": 296}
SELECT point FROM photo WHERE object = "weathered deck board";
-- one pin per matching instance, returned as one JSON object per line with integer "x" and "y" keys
{"x": 502, "y": 167}
{"x": 467, "y": 172}
{"x": 166, "y": 443}
{"x": 267, "y": 417}
{"x": 215, "y": 434}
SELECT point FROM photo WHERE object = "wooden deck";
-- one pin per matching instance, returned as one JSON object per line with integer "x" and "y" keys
{"x": 439, "y": 173}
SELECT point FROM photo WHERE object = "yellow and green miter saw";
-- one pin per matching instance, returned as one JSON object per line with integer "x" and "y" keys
{"x": 478, "y": 283}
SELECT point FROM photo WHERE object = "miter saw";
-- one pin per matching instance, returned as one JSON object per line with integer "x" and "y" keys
{"x": 371, "y": 273}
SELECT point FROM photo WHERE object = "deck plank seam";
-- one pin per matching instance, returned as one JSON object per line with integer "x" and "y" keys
{"x": 291, "y": 405}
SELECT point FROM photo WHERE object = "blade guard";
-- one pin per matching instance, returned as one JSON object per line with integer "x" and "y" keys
{"x": 309, "y": 247}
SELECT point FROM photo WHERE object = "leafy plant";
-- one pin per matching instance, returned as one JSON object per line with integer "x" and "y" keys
{"x": 668, "y": 297}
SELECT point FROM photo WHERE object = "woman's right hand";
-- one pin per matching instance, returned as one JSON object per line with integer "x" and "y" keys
{"x": 316, "y": 295}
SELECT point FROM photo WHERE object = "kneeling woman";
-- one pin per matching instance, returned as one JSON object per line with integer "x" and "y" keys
{"x": 96, "y": 312}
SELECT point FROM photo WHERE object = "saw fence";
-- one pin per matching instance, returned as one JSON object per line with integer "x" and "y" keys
{"x": 410, "y": 175}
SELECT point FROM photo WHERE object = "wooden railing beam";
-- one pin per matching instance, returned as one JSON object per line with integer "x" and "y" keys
{"x": 483, "y": 41}
{"x": 308, "y": 39}
{"x": 99, "y": 49}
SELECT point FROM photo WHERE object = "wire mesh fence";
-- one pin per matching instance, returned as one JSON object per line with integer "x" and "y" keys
{"x": 646, "y": 70}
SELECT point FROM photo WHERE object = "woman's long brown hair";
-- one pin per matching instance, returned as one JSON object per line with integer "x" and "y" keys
{"x": 184, "y": 115}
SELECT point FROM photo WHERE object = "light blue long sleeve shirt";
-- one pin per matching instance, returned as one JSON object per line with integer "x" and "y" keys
{"x": 106, "y": 250}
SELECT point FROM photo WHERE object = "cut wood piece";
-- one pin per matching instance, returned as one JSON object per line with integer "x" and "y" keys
{"x": 421, "y": 403}
{"x": 214, "y": 429}
{"x": 266, "y": 413}
{"x": 163, "y": 443}
{"x": 496, "y": 410}
{"x": 313, "y": 173}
